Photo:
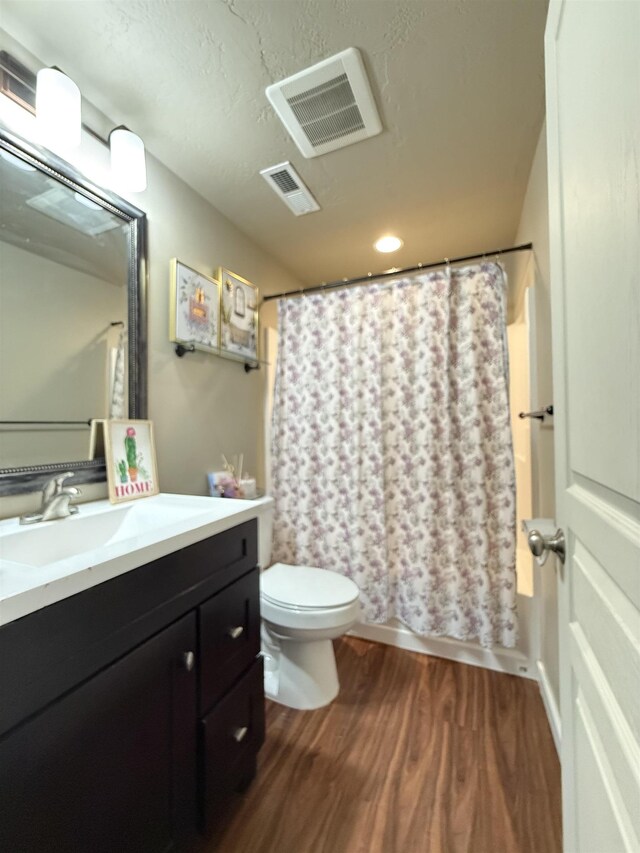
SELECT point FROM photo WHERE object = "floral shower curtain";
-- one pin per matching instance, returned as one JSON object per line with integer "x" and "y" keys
{"x": 392, "y": 457}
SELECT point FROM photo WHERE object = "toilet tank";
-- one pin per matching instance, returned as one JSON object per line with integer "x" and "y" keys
{"x": 265, "y": 532}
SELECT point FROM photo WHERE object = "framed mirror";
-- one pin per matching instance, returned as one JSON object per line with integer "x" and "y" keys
{"x": 73, "y": 343}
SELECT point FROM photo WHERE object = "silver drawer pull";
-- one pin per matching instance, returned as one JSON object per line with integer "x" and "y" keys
{"x": 236, "y": 632}
{"x": 240, "y": 734}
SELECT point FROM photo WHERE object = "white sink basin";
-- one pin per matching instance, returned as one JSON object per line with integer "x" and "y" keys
{"x": 48, "y": 542}
{"x": 43, "y": 562}
{"x": 98, "y": 525}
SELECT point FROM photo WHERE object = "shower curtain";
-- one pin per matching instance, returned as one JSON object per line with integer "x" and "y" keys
{"x": 391, "y": 449}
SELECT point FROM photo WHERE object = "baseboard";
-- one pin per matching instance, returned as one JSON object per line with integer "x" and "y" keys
{"x": 509, "y": 661}
{"x": 550, "y": 704}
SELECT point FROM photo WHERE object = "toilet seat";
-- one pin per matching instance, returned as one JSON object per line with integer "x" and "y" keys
{"x": 306, "y": 589}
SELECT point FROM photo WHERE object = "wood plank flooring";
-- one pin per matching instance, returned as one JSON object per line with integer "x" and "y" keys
{"x": 416, "y": 755}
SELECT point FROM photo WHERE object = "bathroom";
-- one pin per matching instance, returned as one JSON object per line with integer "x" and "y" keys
{"x": 206, "y": 204}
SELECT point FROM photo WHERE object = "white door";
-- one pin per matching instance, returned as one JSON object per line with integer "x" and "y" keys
{"x": 593, "y": 121}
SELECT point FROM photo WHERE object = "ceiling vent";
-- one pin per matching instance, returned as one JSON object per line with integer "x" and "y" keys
{"x": 286, "y": 183}
{"x": 327, "y": 106}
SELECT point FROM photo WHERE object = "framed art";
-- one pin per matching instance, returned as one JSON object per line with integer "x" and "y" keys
{"x": 194, "y": 316}
{"x": 238, "y": 316}
{"x": 131, "y": 460}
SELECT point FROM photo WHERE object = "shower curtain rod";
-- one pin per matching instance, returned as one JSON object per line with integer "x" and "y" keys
{"x": 346, "y": 282}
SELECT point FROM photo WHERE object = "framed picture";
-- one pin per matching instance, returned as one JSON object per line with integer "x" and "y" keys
{"x": 130, "y": 459}
{"x": 194, "y": 316}
{"x": 238, "y": 315}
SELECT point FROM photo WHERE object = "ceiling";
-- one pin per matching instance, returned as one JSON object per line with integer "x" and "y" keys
{"x": 459, "y": 86}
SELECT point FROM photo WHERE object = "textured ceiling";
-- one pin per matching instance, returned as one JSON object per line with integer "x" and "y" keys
{"x": 459, "y": 85}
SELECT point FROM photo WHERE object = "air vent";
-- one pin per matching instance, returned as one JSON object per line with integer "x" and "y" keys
{"x": 287, "y": 184}
{"x": 327, "y": 106}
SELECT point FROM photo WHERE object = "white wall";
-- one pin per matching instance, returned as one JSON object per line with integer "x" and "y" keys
{"x": 201, "y": 405}
{"x": 534, "y": 227}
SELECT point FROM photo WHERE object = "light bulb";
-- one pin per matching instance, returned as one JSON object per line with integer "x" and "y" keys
{"x": 58, "y": 110}
{"x": 128, "y": 164}
{"x": 388, "y": 244}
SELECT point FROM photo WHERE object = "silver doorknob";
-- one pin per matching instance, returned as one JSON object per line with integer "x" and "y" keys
{"x": 540, "y": 546}
{"x": 188, "y": 661}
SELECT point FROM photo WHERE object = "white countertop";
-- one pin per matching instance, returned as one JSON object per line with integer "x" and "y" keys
{"x": 60, "y": 558}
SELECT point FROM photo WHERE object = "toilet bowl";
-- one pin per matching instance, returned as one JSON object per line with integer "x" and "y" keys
{"x": 303, "y": 610}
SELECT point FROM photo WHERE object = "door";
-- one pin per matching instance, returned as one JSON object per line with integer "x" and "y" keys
{"x": 593, "y": 121}
{"x": 111, "y": 765}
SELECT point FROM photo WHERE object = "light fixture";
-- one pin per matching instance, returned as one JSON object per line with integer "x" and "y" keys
{"x": 58, "y": 109}
{"x": 388, "y": 243}
{"x": 128, "y": 164}
{"x": 56, "y": 101}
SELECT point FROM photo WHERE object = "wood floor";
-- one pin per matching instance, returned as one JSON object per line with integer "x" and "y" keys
{"x": 416, "y": 755}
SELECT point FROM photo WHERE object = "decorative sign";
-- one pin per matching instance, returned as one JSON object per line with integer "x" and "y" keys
{"x": 130, "y": 456}
{"x": 195, "y": 308}
{"x": 238, "y": 316}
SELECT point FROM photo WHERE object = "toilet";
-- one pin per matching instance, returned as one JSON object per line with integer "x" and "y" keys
{"x": 303, "y": 610}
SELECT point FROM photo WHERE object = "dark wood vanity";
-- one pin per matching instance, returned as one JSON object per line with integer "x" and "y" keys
{"x": 131, "y": 712}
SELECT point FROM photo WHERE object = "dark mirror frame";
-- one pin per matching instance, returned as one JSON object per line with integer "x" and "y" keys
{"x": 15, "y": 481}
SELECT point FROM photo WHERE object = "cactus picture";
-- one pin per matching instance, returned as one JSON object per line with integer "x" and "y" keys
{"x": 132, "y": 453}
{"x": 131, "y": 460}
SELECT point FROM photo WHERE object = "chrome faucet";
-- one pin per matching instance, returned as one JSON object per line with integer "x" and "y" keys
{"x": 55, "y": 501}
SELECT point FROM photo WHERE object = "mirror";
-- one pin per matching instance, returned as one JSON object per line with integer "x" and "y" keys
{"x": 72, "y": 316}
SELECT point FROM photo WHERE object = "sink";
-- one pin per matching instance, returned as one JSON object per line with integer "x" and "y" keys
{"x": 44, "y": 562}
{"x": 99, "y": 525}
{"x": 48, "y": 542}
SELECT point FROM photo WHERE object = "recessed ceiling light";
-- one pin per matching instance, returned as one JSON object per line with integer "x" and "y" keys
{"x": 388, "y": 243}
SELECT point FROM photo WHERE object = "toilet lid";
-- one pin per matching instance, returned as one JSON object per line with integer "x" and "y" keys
{"x": 306, "y": 588}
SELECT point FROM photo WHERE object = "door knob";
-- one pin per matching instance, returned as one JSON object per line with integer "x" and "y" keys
{"x": 540, "y": 546}
{"x": 188, "y": 661}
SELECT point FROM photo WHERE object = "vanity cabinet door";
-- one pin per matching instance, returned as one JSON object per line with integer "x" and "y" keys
{"x": 112, "y": 765}
{"x": 229, "y": 637}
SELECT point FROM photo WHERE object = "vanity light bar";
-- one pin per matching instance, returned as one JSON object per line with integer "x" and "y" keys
{"x": 17, "y": 82}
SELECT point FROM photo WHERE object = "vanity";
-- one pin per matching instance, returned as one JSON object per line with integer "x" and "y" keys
{"x": 132, "y": 691}
{"x": 131, "y": 702}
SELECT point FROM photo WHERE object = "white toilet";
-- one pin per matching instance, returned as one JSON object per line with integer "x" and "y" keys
{"x": 303, "y": 610}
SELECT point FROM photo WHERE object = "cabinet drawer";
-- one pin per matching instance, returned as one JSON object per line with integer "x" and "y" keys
{"x": 229, "y": 637}
{"x": 231, "y": 736}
